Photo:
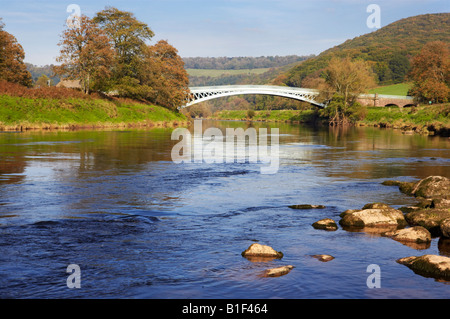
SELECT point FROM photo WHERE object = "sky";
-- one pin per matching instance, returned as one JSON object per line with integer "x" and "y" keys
{"x": 217, "y": 28}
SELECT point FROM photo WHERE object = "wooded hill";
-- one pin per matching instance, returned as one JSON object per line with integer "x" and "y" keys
{"x": 240, "y": 63}
{"x": 388, "y": 49}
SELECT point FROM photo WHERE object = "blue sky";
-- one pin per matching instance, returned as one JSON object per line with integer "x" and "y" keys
{"x": 216, "y": 27}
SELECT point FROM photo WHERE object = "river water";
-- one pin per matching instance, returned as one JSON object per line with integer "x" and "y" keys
{"x": 138, "y": 225}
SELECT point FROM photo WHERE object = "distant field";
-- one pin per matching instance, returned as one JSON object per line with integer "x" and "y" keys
{"x": 218, "y": 73}
{"x": 395, "y": 89}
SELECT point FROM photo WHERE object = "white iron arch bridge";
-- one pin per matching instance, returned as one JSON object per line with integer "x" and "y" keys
{"x": 205, "y": 93}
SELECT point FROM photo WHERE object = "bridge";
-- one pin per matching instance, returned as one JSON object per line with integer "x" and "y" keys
{"x": 204, "y": 93}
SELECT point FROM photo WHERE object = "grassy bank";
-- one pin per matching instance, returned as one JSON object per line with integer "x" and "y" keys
{"x": 301, "y": 116}
{"x": 425, "y": 119}
{"x": 18, "y": 112}
{"x": 394, "y": 89}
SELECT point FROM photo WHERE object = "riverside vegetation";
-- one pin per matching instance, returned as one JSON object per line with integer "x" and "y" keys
{"x": 424, "y": 119}
{"x": 52, "y": 108}
{"x": 122, "y": 80}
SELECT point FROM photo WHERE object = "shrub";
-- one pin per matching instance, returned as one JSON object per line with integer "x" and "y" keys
{"x": 14, "y": 89}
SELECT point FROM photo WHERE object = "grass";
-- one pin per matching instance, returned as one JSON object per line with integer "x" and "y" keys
{"x": 218, "y": 73}
{"x": 422, "y": 119}
{"x": 304, "y": 116}
{"x": 425, "y": 119}
{"x": 394, "y": 89}
{"x": 23, "y": 112}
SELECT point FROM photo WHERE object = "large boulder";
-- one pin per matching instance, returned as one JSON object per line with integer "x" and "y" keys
{"x": 445, "y": 227}
{"x": 416, "y": 234}
{"x": 430, "y": 218}
{"x": 373, "y": 215}
{"x": 264, "y": 251}
{"x": 430, "y": 187}
{"x": 428, "y": 265}
{"x": 326, "y": 224}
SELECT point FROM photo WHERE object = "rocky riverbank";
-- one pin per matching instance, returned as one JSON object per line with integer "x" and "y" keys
{"x": 414, "y": 226}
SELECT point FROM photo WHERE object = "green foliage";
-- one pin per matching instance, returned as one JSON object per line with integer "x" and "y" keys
{"x": 250, "y": 114}
{"x": 241, "y": 63}
{"x": 43, "y": 81}
{"x": 422, "y": 115}
{"x": 131, "y": 87}
{"x": 388, "y": 48}
{"x": 339, "y": 112}
{"x": 37, "y": 71}
{"x": 213, "y": 73}
{"x": 129, "y": 37}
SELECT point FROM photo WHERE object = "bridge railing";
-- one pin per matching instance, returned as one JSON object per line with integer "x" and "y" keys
{"x": 250, "y": 87}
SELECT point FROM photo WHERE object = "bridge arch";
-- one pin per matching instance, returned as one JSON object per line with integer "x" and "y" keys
{"x": 205, "y": 93}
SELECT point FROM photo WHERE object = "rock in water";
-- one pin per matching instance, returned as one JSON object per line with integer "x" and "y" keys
{"x": 258, "y": 250}
{"x": 306, "y": 206}
{"x": 326, "y": 224}
{"x": 430, "y": 218}
{"x": 431, "y": 187}
{"x": 373, "y": 217}
{"x": 279, "y": 271}
{"x": 445, "y": 227}
{"x": 323, "y": 258}
{"x": 428, "y": 265}
{"x": 417, "y": 234}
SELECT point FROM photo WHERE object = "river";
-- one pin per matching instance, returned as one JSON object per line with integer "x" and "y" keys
{"x": 139, "y": 225}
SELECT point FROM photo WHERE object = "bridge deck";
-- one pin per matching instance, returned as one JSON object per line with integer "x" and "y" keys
{"x": 204, "y": 93}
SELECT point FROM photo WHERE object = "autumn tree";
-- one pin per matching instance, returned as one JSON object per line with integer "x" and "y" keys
{"x": 129, "y": 37}
{"x": 344, "y": 80}
{"x": 431, "y": 73}
{"x": 86, "y": 54}
{"x": 166, "y": 74}
{"x": 12, "y": 67}
{"x": 43, "y": 81}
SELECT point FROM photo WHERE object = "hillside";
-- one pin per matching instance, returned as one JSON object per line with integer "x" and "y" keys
{"x": 37, "y": 71}
{"x": 389, "y": 48}
{"x": 238, "y": 70}
{"x": 240, "y": 63}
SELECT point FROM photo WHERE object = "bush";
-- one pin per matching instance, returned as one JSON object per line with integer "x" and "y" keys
{"x": 14, "y": 89}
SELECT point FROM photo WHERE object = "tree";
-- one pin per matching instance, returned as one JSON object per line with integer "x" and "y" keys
{"x": 430, "y": 72}
{"x": 43, "y": 81}
{"x": 344, "y": 81}
{"x": 128, "y": 36}
{"x": 86, "y": 54}
{"x": 166, "y": 74}
{"x": 12, "y": 67}
{"x": 399, "y": 65}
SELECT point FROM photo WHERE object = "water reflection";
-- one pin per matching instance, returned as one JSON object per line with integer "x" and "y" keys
{"x": 143, "y": 226}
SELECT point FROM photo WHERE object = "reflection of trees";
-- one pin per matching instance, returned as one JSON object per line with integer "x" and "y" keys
{"x": 378, "y": 153}
{"x": 11, "y": 160}
{"x": 125, "y": 149}
{"x": 12, "y": 165}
